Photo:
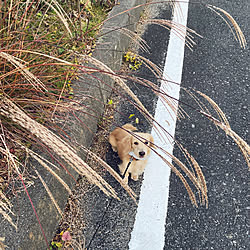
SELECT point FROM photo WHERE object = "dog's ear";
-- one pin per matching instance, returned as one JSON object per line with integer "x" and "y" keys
{"x": 127, "y": 144}
{"x": 151, "y": 139}
{"x": 131, "y": 142}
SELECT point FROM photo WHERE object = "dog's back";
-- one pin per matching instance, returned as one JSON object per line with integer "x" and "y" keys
{"x": 120, "y": 134}
{"x": 129, "y": 127}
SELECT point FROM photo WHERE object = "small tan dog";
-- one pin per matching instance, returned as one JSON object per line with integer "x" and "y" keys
{"x": 132, "y": 150}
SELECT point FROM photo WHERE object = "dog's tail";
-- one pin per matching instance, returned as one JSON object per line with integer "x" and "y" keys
{"x": 129, "y": 127}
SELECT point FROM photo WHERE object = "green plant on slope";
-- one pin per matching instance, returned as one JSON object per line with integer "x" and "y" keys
{"x": 134, "y": 63}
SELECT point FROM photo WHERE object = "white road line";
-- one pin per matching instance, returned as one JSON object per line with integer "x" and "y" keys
{"x": 149, "y": 228}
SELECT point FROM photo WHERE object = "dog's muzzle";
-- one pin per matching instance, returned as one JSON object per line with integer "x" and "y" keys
{"x": 142, "y": 153}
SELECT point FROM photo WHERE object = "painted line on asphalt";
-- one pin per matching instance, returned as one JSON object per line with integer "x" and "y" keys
{"x": 149, "y": 227}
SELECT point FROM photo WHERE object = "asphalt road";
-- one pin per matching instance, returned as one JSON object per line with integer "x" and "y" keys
{"x": 219, "y": 68}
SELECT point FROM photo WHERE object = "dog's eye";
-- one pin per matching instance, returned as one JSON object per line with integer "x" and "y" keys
{"x": 146, "y": 142}
{"x": 136, "y": 143}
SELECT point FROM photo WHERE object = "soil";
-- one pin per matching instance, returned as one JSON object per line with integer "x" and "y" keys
{"x": 73, "y": 217}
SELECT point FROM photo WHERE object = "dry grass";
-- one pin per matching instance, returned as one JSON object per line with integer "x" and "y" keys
{"x": 221, "y": 115}
{"x": 223, "y": 123}
{"x": 5, "y": 209}
{"x": 180, "y": 31}
{"x": 243, "y": 146}
{"x": 20, "y": 67}
{"x": 61, "y": 13}
{"x": 61, "y": 148}
{"x": 231, "y": 23}
{"x": 120, "y": 82}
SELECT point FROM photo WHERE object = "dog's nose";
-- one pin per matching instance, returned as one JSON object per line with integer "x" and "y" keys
{"x": 141, "y": 153}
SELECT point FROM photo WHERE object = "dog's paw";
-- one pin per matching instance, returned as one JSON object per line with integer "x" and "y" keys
{"x": 134, "y": 177}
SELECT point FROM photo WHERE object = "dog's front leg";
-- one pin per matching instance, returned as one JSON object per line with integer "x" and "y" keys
{"x": 134, "y": 177}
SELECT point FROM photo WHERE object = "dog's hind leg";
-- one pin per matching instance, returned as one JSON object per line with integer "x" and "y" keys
{"x": 122, "y": 168}
{"x": 113, "y": 143}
